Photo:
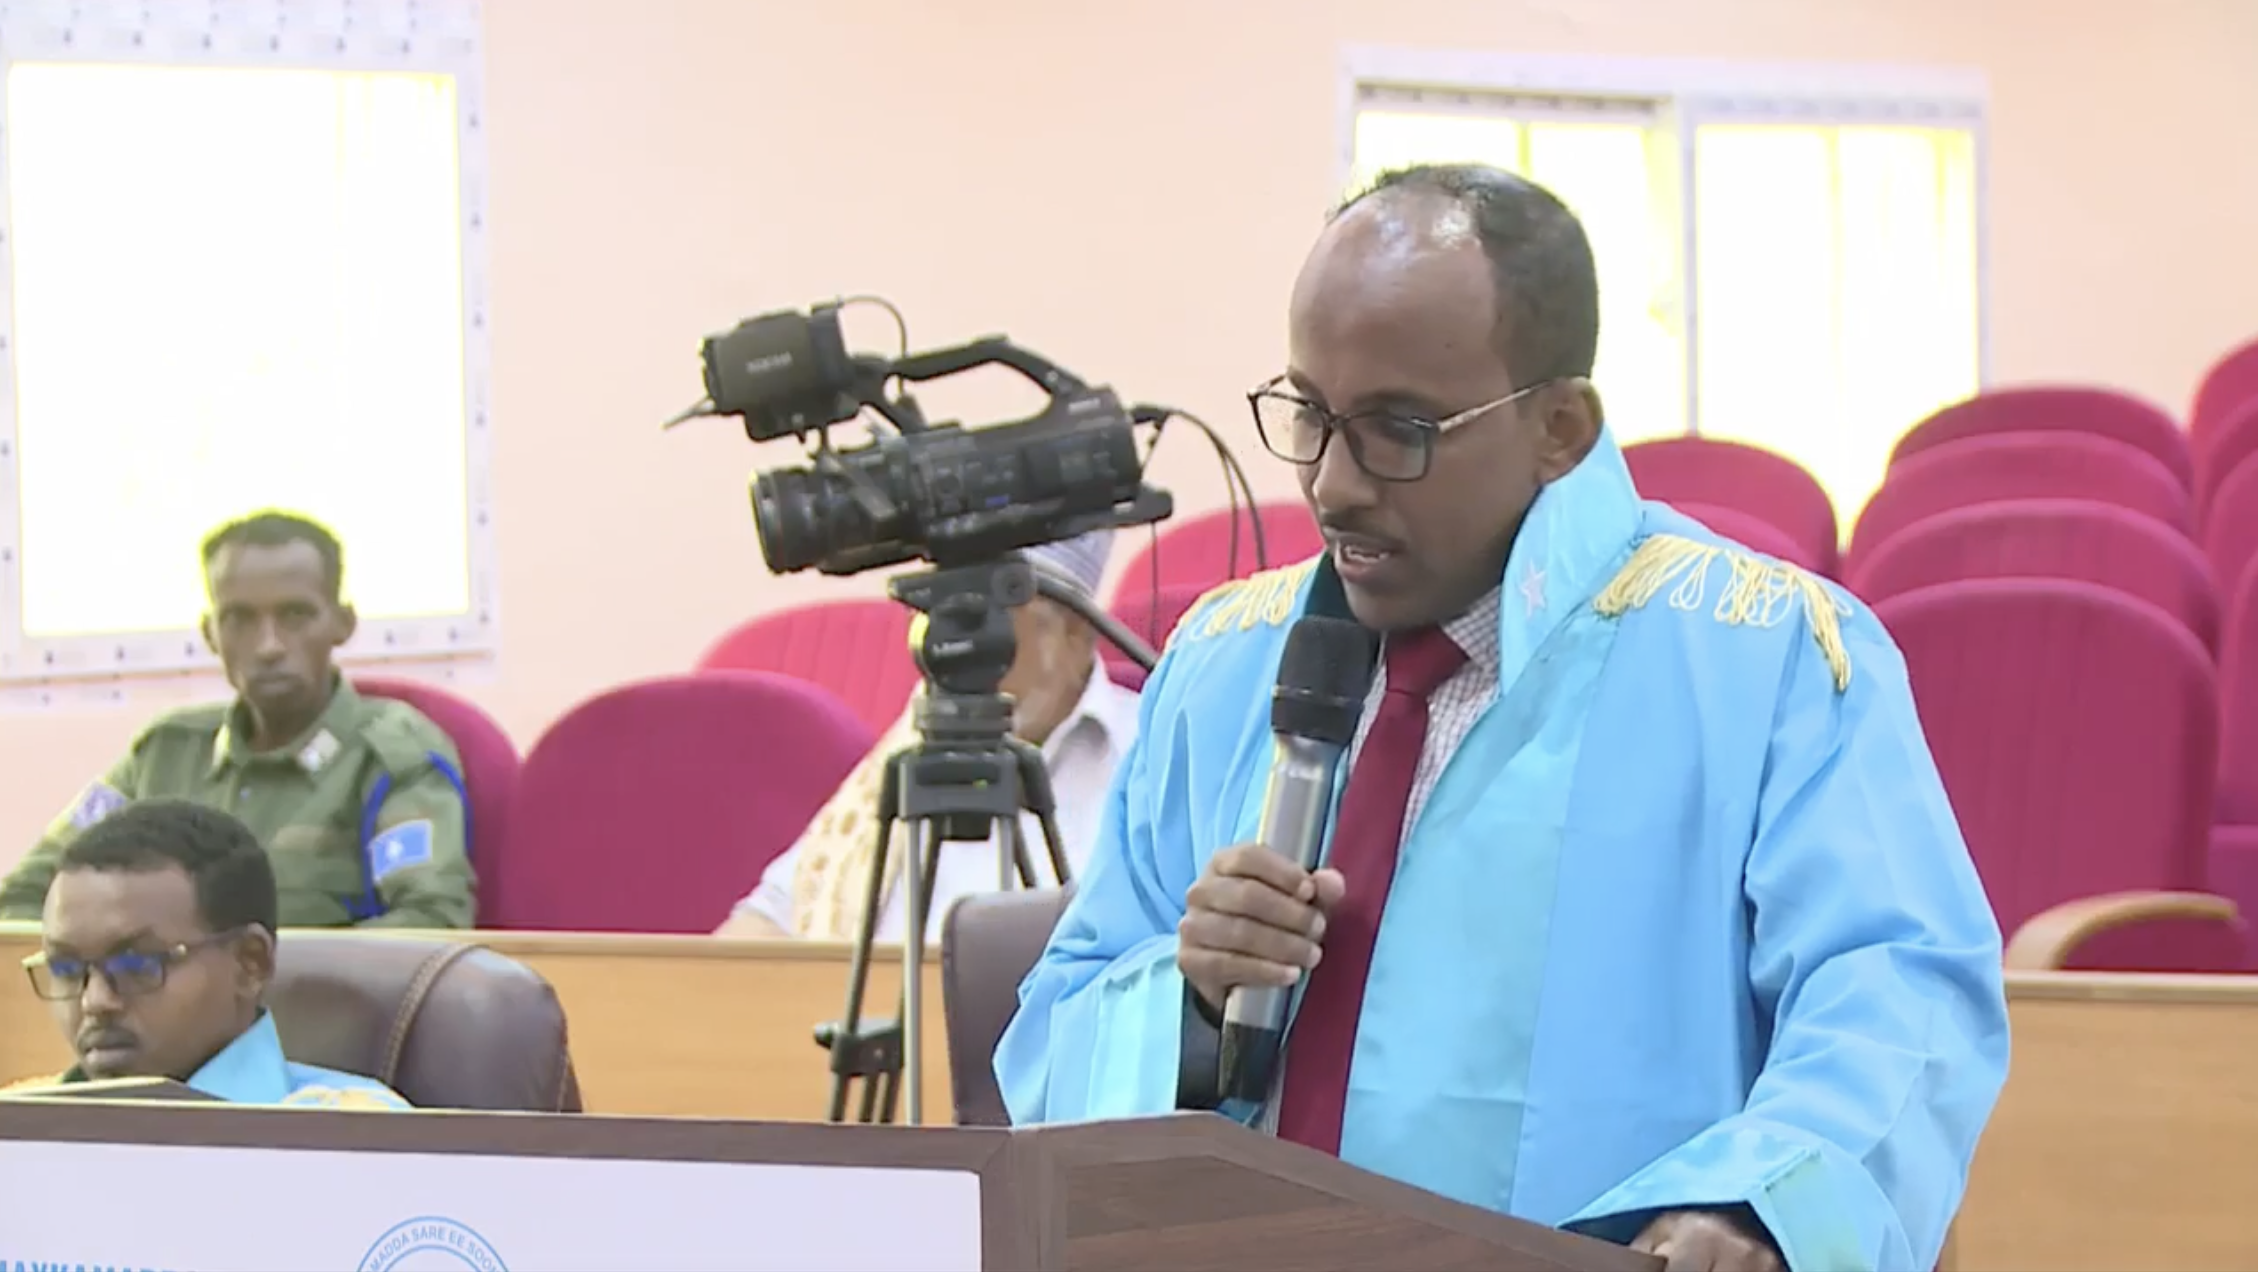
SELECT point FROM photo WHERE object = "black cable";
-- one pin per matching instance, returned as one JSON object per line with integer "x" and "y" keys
{"x": 1237, "y": 487}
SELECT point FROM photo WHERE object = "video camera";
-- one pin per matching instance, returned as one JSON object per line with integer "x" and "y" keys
{"x": 941, "y": 493}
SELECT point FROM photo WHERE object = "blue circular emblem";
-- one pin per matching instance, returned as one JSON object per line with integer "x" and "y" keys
{"x": 431, "y": 1244}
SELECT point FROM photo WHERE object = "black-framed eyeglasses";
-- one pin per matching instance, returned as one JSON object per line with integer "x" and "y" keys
{"x": 130, "y": 973}
{"x": 1387, "y": 445}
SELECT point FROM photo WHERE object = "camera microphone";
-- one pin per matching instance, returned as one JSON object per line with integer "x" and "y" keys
{"x": 1323, "y": 678}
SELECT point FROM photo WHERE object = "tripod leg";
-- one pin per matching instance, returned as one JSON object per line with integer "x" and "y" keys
{"x": 1035, "y": 792}
{"x": 920, "y": 908}
{"x": 1017, "y": 865}
{"x": 850, "y": 1030}
{"x": 1059, "y": 869}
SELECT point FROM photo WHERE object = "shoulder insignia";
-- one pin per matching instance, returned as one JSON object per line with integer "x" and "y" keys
{"x": 360, "y": 1098}
{"x": 1266, "y": 598}
{"x": 1759, "y": 592}
{"x": 31, "y": 1084}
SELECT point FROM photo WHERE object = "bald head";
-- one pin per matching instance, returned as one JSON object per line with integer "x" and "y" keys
{"x": 1543, "y": 287}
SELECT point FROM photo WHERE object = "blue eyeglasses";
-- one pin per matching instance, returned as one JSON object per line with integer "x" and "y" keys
{"x": 130, "y": 973}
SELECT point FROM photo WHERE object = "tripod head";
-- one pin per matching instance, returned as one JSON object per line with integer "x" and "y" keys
{"x": 965, "y": 646}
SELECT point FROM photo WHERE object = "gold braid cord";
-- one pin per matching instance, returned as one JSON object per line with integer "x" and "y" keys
{"x": 1758, "y": 592}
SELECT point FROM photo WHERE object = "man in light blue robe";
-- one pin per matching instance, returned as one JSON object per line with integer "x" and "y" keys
{"x": 1683, "y": 947}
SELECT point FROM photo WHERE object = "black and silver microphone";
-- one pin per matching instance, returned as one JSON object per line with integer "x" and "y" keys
{"x": 1323, "y": 678}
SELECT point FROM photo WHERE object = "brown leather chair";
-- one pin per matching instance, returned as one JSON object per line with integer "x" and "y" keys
{"x": 989, "y": 941}
{"x": 447, "y": 1024}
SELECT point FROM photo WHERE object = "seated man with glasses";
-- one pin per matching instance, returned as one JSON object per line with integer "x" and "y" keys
{"x": 157, "y": 947}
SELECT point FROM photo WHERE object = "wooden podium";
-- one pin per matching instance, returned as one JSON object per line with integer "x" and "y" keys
{"x": 1169, "y": 1194}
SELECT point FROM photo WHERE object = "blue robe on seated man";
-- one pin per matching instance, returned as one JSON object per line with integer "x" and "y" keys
{"x": 253, "y": 1070}
{"x": 1687, "y": 921}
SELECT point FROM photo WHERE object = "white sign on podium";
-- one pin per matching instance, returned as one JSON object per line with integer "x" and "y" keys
{"x": 150, "y": 1208}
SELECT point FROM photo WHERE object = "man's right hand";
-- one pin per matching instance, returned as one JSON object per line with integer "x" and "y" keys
{"x": 1253, "y": 918}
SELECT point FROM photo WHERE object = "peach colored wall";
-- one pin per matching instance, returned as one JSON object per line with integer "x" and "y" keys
{"x": 1128, "y": 187}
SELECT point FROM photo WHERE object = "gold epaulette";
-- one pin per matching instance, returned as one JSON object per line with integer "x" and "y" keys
{"x": 1266, "y": 598}
{"x": 1760, "y": 593}
{"x": 327, "y": 1097}
{"x": 26, "y": 1084}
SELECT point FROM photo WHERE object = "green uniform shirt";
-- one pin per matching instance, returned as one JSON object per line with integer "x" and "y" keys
{"x": 306, "y": 802}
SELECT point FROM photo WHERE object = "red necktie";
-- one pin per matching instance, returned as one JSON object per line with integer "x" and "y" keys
{"x": 1365, "y": 839}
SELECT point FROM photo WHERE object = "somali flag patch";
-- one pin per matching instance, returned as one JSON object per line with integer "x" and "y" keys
{"x": 407, "y": 844}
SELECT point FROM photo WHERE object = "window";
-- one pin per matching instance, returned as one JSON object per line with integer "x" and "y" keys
{"x": 1787, "y": 259}
{"x": 243, "y": 272}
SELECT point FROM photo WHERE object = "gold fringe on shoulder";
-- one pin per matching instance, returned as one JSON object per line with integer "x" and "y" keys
{"x": 1760, "y": 594}
{"x": 1267, "y": 597}
{"x": 30, "y": 1084}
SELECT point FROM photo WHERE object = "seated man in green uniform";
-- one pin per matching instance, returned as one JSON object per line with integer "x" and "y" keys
{"x": 358, "y": 799}
{"x": 156, "y": 950}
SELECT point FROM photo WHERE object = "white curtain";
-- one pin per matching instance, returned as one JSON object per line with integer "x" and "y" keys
{"x": 234, "y": 289}
{"x": 1836, "y": 268}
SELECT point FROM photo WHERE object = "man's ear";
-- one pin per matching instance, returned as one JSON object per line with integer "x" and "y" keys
{"x": 1569, "y": 428}
{"x": 211, "y": 633}
{"x": 348, "y": 622}
{"x": 254, "y": 960}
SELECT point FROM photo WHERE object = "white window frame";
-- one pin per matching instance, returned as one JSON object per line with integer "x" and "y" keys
{"x": 1681, "y": 95}
{"x": 442, "y": 37}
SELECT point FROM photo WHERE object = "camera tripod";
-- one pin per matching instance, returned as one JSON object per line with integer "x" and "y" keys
{"x": 965, "y": 780}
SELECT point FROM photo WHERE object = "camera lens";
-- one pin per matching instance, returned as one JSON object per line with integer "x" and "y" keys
{"x": 788, "y": 514}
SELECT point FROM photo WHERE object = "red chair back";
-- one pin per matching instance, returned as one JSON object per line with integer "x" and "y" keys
{"x": 2230, "y": 530}
{"x": 653, "y": 807}
{"x": 1200, "y": 551}
{"x": 1769, "y": 487}
{"x": 2077, "y": 731}
{"x": 858, "y": 650}
{"x": 1152, "y": 615}
{"x": 2231, "y": 381}
{"x": 1979, "y": 470}
{"x": 1751, "y": 531}
{"x": 2044, "y": 408}
{"x": 2233, "y": 439}
{"x": 2050, "y": 539}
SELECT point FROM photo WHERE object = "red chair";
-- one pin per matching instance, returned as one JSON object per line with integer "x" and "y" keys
{"x": 1978, "y": 470}
{"x": 2233, "y": 439}
{"x": 858, "y": 650}
{"x": 490, "y": 769}
{"x": 2077, "y": 731}
{"x": 1752, "y": 531}
{"x": 1765, "y": 485}
{"x": 2054, "y": 409}
{"x": 2049, "y": 539}
{"x": 653, "y": 807}
{"x": 2230, "y": 528}
{"x": 1201, "y": 551}
{"x": 2231, "y": 381}
{"x": 1152, "y": 615}
{"x": 2234, "y": 840}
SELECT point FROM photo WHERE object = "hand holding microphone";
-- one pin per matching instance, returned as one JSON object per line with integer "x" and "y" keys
{"x": 1254, "y": 921}
{"x": 1254, "y": 918}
